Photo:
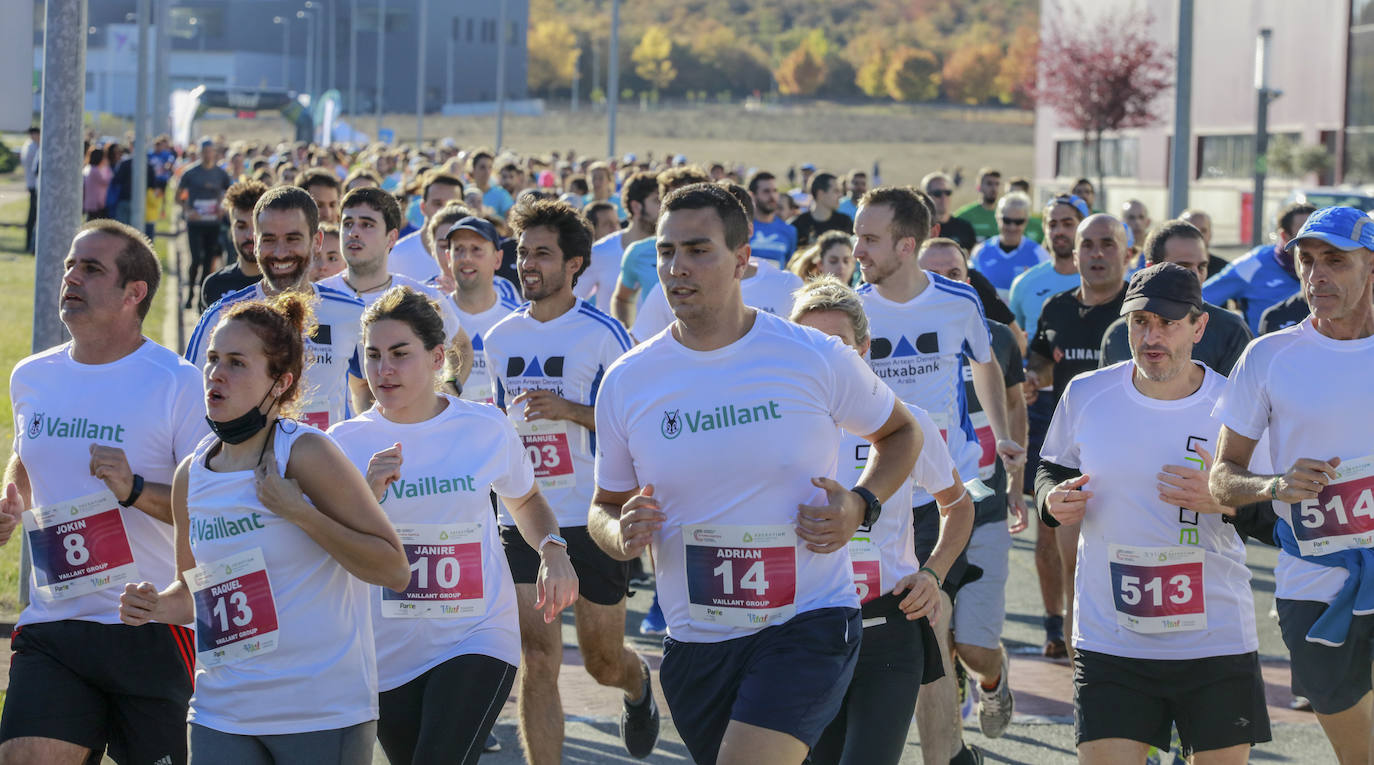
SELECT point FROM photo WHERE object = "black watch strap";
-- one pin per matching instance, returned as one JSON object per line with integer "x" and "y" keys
{"x": 134, "y": 493}
{"x": 872, "y": 507}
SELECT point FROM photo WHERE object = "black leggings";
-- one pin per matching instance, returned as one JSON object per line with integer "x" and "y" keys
{"x": 445, "y": 714}
{"x": 202, "y": 240}
{"x": 872, "y": 724}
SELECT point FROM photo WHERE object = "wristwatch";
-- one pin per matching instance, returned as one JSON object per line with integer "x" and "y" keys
{"x": 873, "y": 508}
{"x": 134, "y": 493}
{"x": 552, "y": 539}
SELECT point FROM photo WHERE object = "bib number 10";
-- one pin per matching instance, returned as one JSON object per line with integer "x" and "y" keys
{"x": 1153, "y": 588}
{"x": 753, "y": 578}
{"x": 446, "y": 572}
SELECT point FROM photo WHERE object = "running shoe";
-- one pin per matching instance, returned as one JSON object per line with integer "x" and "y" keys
{"x": 639, "y": 722}
{"x": 493, "y": 744}
{"x": 995, "y": 707}
{"x": 653, "y": 622}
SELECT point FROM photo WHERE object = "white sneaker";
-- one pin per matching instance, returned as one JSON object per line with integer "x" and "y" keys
{"x": 995, "y": 707}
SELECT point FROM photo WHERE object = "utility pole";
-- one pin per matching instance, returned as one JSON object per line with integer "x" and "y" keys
{"x": 309, "y": 54}
{"x": 1180, "y": 174}
{"x": 448, "y": 65}
{"x": 501, "y": 38}
{"x": 353, "y": 59}
{"x": 612, "y": 77}
{"x": 138, "y": 195}
{"x": 422, "y": 30}
{"x": 381, "y": 62}
{"x": 162, "y": 52}
{"x": 1264, "y": 96}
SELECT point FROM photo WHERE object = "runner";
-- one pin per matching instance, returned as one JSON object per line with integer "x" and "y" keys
{"x": 602, "y": 217}
{"x": 323, "y": 187}
{"x": 758, "y": 679}
{"x": 1164, "y": 622}
{"x": 638, "y": 268}
{"x": 1226, "y": 337}
{"x": 107, "y": 465}
{"x": 762, "y": 286}
{"x": 547, "y": 360}
{"x": 981, "y": 214}
{"x": 494, "y": 198}
{"x": 328, "y": 260}
{"x": 411, "y": 254}
{"x": 446, "y": 646}
{"x": 597, "y": 285}
{"x": 822, "y": 217}
{"x": 1068, "y": 342}
{"x": 940, "y": 188}
{"x": 979, "y": 610}
{"x": 1306, "y": 388}
{"x": 856, "y": 184}
{"x": 1284, "y": 313}
{"x": 899, "y": 652}
{"x": 774, "y": 238}
{"x": 481, "y": 299}
{"x": 1010, "y": 253}
{"x": 200, "y": 189}
{"x": 239, "y": 201}
{"x": 371, "y": 220}
{"x": 1203, "y": 222}
{"x": 1263, "y": 276}
{"x": 276, "y": 534}
{"x": 286, "y": 230}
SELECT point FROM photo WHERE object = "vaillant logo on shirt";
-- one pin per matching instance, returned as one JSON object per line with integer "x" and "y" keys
{"x": 205, "y": 529}
{"x": 719, "y": 418}
{"x": 428, "y": 486}
{"x": 74, "y": 427}
{"x": 905, "y": 358}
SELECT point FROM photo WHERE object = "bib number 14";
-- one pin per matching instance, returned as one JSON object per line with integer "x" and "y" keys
{"x": 754, "y": 577}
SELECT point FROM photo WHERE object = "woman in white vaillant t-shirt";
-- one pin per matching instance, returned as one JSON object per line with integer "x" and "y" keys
{"x": 277, "y": 536}
{"x": 448, "y": 643}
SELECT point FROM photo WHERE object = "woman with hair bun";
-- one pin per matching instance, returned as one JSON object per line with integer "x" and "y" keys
{"x": 277, "y": 538}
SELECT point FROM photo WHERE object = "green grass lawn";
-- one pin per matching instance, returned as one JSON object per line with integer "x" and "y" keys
{"x": 16, "y": 305}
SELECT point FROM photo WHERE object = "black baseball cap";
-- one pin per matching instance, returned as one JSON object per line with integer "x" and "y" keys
{"x": 480, "y": 225}
{"x": 1167, "y": 289}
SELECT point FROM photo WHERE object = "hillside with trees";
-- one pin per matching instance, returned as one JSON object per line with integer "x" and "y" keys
{"x": 957, "y": 51}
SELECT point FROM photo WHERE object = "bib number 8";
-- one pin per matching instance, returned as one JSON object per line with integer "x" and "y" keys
{"x": 75, "y": 545}
{"x": 753, "y": 578}
{"x": 1131, "y": 589}
{"x": 243, "y": 613}
{"x": 445, "y": 572}
{"x": 543, "y": 456}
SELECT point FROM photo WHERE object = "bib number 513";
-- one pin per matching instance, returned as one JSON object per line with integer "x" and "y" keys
{"x": 1133, "y": 588}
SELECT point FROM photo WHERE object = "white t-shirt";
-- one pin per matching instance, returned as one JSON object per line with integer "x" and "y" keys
{"x": 1119, "y": 437}
{"x": 447, "y": 310}
{"x": 919, "y": 348}
{"x": 304, "y": 659}
{"x": 410, "y": 258}
{"x": 1310, "y": 394}
{"x": 151, "y": 404}
{"x": 889, "y": 548}
{"x": 479, "y": 386}
{"x": 769, "y": 289}
{"x": 449, "y": 465}
{"x": 331, "y": 353}
{"x": 694, "y": 425}
{"x": 569, "y": 356}
{"x": 596, "y": 285}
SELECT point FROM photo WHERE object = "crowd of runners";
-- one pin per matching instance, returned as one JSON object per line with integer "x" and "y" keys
{"x": 436, "y": 398}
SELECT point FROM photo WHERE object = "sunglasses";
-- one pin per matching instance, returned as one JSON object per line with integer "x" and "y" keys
{"x": 940, "y": 193}
{"x": 1014, "y": 221}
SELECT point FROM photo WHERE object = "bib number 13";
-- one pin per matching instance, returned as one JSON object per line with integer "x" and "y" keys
{"x": 242, "y": 612}
{"x": 753, "y": 578}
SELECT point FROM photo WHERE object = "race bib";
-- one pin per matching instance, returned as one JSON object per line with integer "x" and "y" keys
{"x": 987, "y": 457}
{"x": 741, "y": 576}
{"x": 316, "y": 419}
{"x": 445, "y": 573}
{"x": 79, "y": 547}
{"x": 1157, "y": 590}
{"x": 236, "y": 617}
{"x": 206, "y": 208}
{"x": 868, "y": 573}
{"x": 546, "y": 442}
{"x": 1342, "y": 515}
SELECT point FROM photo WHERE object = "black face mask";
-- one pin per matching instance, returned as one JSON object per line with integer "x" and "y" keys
{"x": 243, "y": 427}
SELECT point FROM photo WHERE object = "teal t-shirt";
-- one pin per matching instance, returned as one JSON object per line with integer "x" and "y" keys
{"x": 639, "y": 267}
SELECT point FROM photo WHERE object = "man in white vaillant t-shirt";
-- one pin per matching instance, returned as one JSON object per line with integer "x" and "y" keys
{"x": 1164, "y": 622}
{"x": 100, "y": 424}
{"x": 1307, "y": 388}
{"x": 751, "y": 557}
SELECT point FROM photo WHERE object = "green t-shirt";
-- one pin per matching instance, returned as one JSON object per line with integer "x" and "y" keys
{"x": 983, "y": 220}
{"x": 1035, "y": 229}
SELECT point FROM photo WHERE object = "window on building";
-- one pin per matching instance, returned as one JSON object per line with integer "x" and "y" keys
{"x": 469, "y": 25}
{"x": 1233, "y": 156}
{"x": 513, "y": 38}
{"x": 1120, "y": 158}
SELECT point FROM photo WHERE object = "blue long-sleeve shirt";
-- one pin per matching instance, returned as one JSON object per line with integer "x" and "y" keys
{"x": 1256, "y": 280}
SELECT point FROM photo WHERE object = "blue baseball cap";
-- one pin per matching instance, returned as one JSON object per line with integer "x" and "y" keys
{"x": 1072, "y": 200}
{"x": 1345, "y": 228}
{"x": 479, "y": 225}
{"x": 808, "y": 167}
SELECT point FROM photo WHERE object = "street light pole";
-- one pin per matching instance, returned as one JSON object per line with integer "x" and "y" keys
{"x": 309, "y": 53}
{"x": 422, "y": 30}
{"x": 612, "y": 77}
{"x": 353, "y": 59}
{"x": 500, "y": 75}
{"x": 1180, "y": 175}
{"x": 138, "y": 196}
{"x": 1264, "y": 96}
{"x": 381, "y": 62}
{"x": 285, "y": 49}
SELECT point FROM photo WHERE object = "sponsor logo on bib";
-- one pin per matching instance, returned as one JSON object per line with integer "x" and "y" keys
{"x": 75, "y": 427}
